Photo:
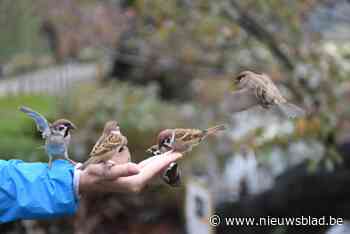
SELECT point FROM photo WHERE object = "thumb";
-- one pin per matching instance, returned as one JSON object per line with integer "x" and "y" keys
{"x": 158, "y": 164}
{"x": 122, "y": 170}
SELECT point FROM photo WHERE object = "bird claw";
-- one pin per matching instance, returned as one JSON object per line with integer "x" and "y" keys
{"x": 110, "y": 164}
{"x": 72, "y": 161}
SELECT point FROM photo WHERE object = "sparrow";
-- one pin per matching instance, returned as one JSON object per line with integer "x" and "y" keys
{"x": 183, "y": 140}
{"x": 110, "y": 142}
{"x": 258, "y": 89}
{"x": 57, "y": 135}
{"x": 171, "y": 175}
{"x": 179, "y": 140}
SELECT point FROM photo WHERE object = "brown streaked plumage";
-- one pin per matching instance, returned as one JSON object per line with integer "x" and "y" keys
{"x": 180, "y": 140}
{"x": 258, "y": 89}
{"x": 183, "y": 140}
{"x": 111, "y": 142}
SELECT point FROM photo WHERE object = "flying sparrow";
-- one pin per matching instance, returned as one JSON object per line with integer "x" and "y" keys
{"x": 111, "y": 142}
{"x": 171, "y": 175}
{"x": 183, "y": 140}
{"x": 258, "y": 89}
{"x": 57, "y": 135}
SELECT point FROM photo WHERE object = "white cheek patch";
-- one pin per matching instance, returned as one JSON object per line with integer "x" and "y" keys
{"x": 172, "y": 137}
{"x": 115, "y": 132}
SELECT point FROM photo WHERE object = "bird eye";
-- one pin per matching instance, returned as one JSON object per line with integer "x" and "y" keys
{"x": 166, "y": 141}
{"x": 61, "y": 128}
{"x": 239, "y": 78}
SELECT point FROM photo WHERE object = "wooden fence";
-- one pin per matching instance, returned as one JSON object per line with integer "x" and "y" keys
{"x": 51, "y": 81}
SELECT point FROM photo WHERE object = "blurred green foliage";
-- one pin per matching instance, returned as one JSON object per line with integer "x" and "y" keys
{"x": 18, "y": 135}
{"x": 20, "y": 28}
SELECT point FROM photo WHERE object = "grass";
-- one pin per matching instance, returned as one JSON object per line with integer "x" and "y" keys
{"x": 18, "y": 135}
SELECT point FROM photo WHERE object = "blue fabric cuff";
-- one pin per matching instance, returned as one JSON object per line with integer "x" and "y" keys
{"x": 32, "y": 191}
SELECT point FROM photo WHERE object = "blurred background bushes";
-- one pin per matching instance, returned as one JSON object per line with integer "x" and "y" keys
{"x": 164, "y": 64}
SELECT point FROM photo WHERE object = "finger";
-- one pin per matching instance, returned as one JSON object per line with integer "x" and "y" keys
{"x": 122, "y": 170}
{"x": 152, "y": 169}
{"x": 156, "y": 165}
{"x": 148, "y": 160}
{"x": 127, "y": 169}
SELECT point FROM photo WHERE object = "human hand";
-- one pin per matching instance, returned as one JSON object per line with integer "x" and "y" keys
{"x": 127, "y": 177}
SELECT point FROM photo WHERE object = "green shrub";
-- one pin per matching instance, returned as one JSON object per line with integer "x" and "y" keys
{"x": 18, "y": 135}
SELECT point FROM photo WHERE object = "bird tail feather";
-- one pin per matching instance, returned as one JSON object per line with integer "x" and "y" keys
{"x": 215, "y": 129}
{"x": 291, "y": 110}
{"x": 25, "y": 109}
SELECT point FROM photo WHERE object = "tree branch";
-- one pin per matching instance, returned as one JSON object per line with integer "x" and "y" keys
{"x": 251, "y": 26}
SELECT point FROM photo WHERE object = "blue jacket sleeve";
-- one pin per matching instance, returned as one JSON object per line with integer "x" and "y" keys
{"x": 32, "y": 191}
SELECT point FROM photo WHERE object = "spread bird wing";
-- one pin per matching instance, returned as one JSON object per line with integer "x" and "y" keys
{"x": 240, "y": 100}
{"x": 262, "y": 82}
{"x": 41, "y": 122}
{"x": 108, "y": 143}
{"x": 253, "y": 82}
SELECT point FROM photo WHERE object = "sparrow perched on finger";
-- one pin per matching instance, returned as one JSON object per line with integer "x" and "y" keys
{"x": 112, "y": 141}
{"x": 172, "y": 174}
{"x": 183, "y": 140}
{"x": 57, "y": 135}
{"x": 179, "y": 140}
{"x": 258, "y": 89}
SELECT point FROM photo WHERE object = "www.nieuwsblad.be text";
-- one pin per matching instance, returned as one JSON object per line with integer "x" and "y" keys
{"x": 216, "y": 220}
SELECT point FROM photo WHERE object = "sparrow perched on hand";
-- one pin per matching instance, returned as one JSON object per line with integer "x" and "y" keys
{"x": 57, "y": 135}
{"x": 179, "y": 140}
{"x": 111, "y": 142}
{"x": 171, "y": 175}
{"x": 183, "y": 140}
{"x": 258, "y": 89}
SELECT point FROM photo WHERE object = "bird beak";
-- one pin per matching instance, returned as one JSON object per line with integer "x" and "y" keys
{"x": 150, "y": 151}
{"x": 72, "y": 126}
{"x": 237, "y": 81}
{"x": 234, "y": 86}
